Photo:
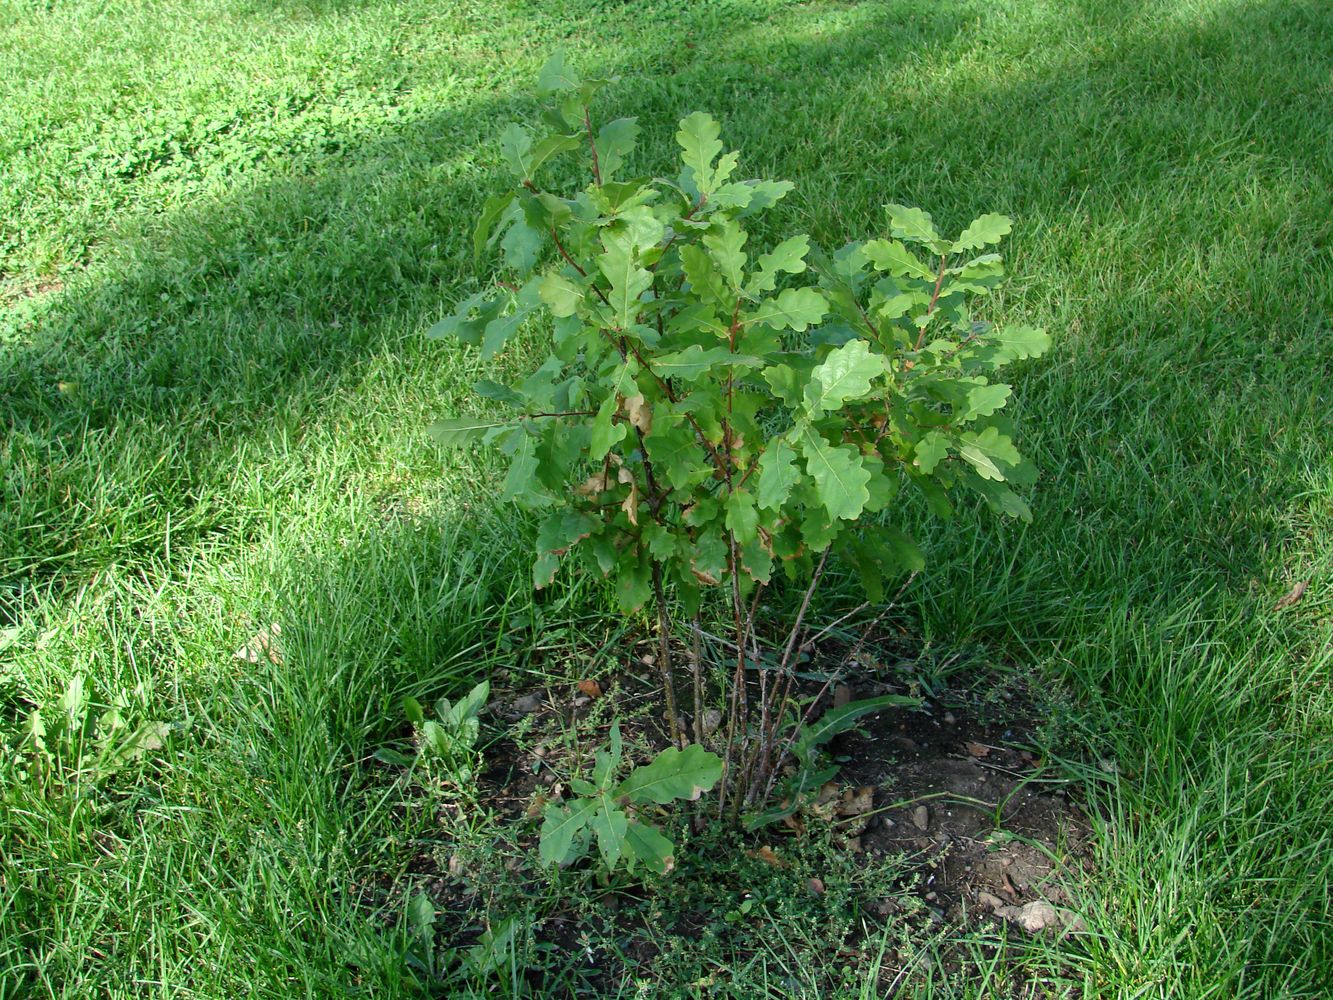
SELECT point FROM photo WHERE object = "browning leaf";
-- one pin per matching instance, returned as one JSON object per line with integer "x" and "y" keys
{"x": 1293, "y": 595}
{"x": 640, "y": 414}
{"x": 263, "y": 645}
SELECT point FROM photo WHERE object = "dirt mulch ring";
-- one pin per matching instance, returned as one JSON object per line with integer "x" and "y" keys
{"x": 951, "y": 796}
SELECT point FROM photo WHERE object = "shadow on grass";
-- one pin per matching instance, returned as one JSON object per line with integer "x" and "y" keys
{"x": 1166, "y": 179}
{"x": 140, "y": 397}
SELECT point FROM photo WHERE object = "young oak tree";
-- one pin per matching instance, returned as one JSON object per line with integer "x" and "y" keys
{"x": 713, "y": 413}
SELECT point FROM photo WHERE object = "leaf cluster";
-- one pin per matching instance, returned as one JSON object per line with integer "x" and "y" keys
{"x": 712, "y": 411}
{"x": 609, "y": 810}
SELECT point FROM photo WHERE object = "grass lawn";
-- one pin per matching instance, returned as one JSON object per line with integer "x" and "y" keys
{"x": 224, "y": 226}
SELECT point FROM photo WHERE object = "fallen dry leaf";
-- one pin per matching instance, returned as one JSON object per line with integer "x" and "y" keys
{"x": 263, "y": 645}
{"x": 535, "y": 806}
{"x": 858, "y": 802}
{"x": 591, "y": 688}
{"x": 1293, "y": 595}
{"x": 767, "y": 855}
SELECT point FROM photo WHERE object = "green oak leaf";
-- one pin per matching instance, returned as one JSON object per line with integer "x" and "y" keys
{"x": 556, "y": 76}
{"x": 725, "y": 245}
{"x": 559, "y": 532}
{"x": 985, "y": 400}
{"x": 522, "y": 246}
{"x": 703, "y": 275}
{"x": 606, "y": 432}
{"x": 1001, "y": 499}
{"x": 615, "y": 141}
{"x": 785, "y": 383}
{"x": 742, "y": 519}
{"x": 699, "y": 143}
{"x": 894, "y": 258}
{"x": 491, "y": 211}
{"x": 787, "y": 257}
{"x": 462, "y": 324}
{"x": 985, "y": 449}
{"x": 560, "y": 294}
{"x": 765, "y": 194}
{"x": 931, "y": 450}
{"x": 634, "y": 581}
{"x": 516, "y": 148}
{"x": 1014, "y": 343}
{"x": 847, "y": 373}
{"x": 628, "y": 278}
{"x": 675, "y": 451}
{"x": 645, "y": 845}
{"x": 793, "y": 309}
{"x": 777, "y": 475}
{"x": 694, "y": 361}
{"x": 914, "y": 225}
{"x": 549, "y": 147}
{"x": 454, "y": 432}
{"x": 498, "y": 331}
{"x": 673, "y": 774}
{"x": 609, "y": 824}
{"x": 839, "y": 475}
{"x": 561, "y": 824}
{"x": 520, "y": 483}
{"x": 985, "y": 231}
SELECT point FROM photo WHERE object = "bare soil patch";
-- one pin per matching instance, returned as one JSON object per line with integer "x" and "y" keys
{"x": 944, "y": 820}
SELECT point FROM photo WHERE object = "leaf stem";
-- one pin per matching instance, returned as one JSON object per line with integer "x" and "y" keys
{"x": 592, "y": 144}
{"x": 939, "y": 280}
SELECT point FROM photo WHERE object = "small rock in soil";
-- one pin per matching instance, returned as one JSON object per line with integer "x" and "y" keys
{"x": 527, "y": 704}
{"x": 712, "y": 721}
{"x": 1040, "y": 916}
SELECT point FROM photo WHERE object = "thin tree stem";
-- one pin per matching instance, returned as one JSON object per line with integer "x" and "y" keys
{"x": 664, "y": 656}
{"x": 697, "y": 669}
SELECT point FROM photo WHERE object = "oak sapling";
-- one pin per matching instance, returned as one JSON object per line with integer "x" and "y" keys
{"x": 713, "y": 413}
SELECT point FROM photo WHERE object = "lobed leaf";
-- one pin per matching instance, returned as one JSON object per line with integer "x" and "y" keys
{"x": 914, "y": 225}
{"x": 985, "y": 231}
{"x": 673, "y": 774}
{"x": 839, "y": 475}
{"x": 556, "y": 76}
{"x": 615, "y": 141}
{"x": 455, "y": 432}
{"x": 699, "y": 143}
{"x": 787, "y": 257}
{"x": 644, "y": 844}
{"x": 986, "y": 450}
{"x": 794, "y": 309}
{"x": 845, "y": 374}
{"x": 777, "y": 475}
{"x": 609, "y": 824}
{"x": 985, "y": 400}
{"x": 561, "y": 824}
{"x": 894, "y": 258}
{"x": 560, "y": 532}
{"x": 628, "y": 278}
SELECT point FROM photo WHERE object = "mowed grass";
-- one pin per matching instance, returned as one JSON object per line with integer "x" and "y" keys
{"x": 224, "y": 226}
